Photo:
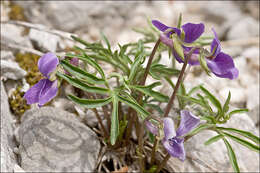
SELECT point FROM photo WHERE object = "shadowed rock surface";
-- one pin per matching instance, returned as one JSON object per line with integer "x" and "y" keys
{"x": 53, "y": 140}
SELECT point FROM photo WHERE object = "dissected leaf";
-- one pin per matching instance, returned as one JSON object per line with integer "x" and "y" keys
{"x": 212, "y": 98}
{"x": 78, "y": 84}
{"x": 114, "y": 121}
{"x": 213, "y": 139}
{"x": 90, "y": 103}
{"x": 232, "y": 156}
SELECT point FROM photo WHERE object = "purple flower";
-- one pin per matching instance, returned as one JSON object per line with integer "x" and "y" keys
{"x": 173, "y": 141}
{"x": 192, "y": 32}
{"x": 45, "y": 89}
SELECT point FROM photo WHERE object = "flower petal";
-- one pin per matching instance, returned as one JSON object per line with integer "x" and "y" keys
{"x": 48, "y": 63}
{"x": 193, "y": 59}
{"x": 188, "y": 122}
{"x": 48, "y": 92}
{"x": 192, "y": 31}
{"x": 223, "y": 66}
{"x": 215, "y": 43}
{"x": 166, "y": 40}
{"x": 175, "y": 148}
{"x": 32, "y": 95}
{"x": 169, "y": 129}
{"x": 151, "y": 128}
{"x": 163, "y": 28}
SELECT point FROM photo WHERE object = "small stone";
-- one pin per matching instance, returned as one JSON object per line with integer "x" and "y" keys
{"x": 11, "y": 70}
{"x": 17, "y": 168}
{"x": 8, "y": 158}
{"x": 54, "y": 140}
{"x": 7, "y": 55}
{"x": 44, "y": 40}
{"x": 252, "y": 55}
{"x": 244, "y": 28}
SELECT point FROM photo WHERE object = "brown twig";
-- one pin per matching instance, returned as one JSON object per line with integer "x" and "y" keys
{"x": 170, "y": 103}
{"x": 163, "y": 163}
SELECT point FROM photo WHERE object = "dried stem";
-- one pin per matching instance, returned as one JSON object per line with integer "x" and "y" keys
{"x": 162, "y": 164}
{"x": 170, "y": 103}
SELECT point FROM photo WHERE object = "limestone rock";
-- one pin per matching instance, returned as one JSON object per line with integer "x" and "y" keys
{"x": 8, "y": 158}
{"x": 11, "y": 70}
{"x": 44, "y": 40}
{"x": 54, "y": 140}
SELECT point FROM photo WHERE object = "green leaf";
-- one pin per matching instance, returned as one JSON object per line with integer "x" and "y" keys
{"x": 178, "y": 47}
{"x": 213, "y": 139}
{"x": 114, "y": 121}
{"x": 200, "y": 128}
{"x": 212, "y": 98}
{"x": 193, "y": 90}
{"x": 237, "y": 111}
{"x": 80, "y": 40}
{"x": 90, "y": 103}
{"x": 179, "y": 21}
{"x": 78, "y": 84}
{"x": 148, "y": 91}
{"x": 243, "y": 142}
{"x": 193, "y": 100}
{"x": 135, "y": 67}
{"x": 79, "y": 73}
{"x": 155, "y": 107}
{"x": 246, "y": 134}
{"x": 91, "y": 62}
{"x": 232, "y": 156}
{"x": 226, "y": 107}
{"x": 135, "y": 106}
{"x": 106, "y": 40}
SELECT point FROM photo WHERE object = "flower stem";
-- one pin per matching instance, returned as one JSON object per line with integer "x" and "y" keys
{"x": 130, "y": 111}
{"x": 163, "y": 163}
{"x": 101, "y": 123}
{"x": 170, "y": 103}
{"x": 150, "y": 62}
{"x": 154, "y": 150}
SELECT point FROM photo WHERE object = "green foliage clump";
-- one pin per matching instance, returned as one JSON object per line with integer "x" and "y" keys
{"x": 17, "y": 102}
{"x": 28, "y": 62}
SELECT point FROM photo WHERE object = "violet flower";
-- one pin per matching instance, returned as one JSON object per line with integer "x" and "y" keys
{"x": 73, "y": 61}
{"x": 45, "y": 89}
{"x": 192, "y": 32}
{"x": 219, "y": 63}
{"x": 173, "y": 141}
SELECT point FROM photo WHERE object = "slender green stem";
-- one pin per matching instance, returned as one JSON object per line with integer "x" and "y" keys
{"x": 163, "y": 163}
{"x": 170, "y": 103}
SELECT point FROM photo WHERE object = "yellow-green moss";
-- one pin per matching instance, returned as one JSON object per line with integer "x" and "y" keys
{"x": 29, "y": 62}
{"x": 17, "y": 102}
{"x": 16, "y": 12}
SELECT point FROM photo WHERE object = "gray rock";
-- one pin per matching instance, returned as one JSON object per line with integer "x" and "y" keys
{"x": 245, "y": 27}
{"x": 11, "y": 70}
{"x": 44, "y": 41}
{"x": 54, "y": 140}
{"x": 7, "y": 55}
{"x": 14, "y": 34}
{"x": 8, "y": 158}
{"x": 201, "y": 158}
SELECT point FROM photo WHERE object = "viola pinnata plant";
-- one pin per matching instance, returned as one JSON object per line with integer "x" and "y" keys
{"x": 131, "y": 102}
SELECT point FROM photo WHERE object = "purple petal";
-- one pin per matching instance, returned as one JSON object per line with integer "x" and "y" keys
{"x": 32, "y": 95}
{"x": 215, "y": 43}
{"x": 160, "y": 25}
{"x": 175, "y": 147}
{"x": 188, "y": 122}
{"x": 163, "y": 28}
{"x": 48, "y": 92}
{"x": 223, "y": 66}
{"x": 74, "y": 61}
{"x": 48, "y": 63}
{"x": 193, "y": 59}
{"x": 166, "y": 40}
{"x": 169, "y": 129}
{"x": 192, "y": 31}
{"x": 151, "y": 128}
